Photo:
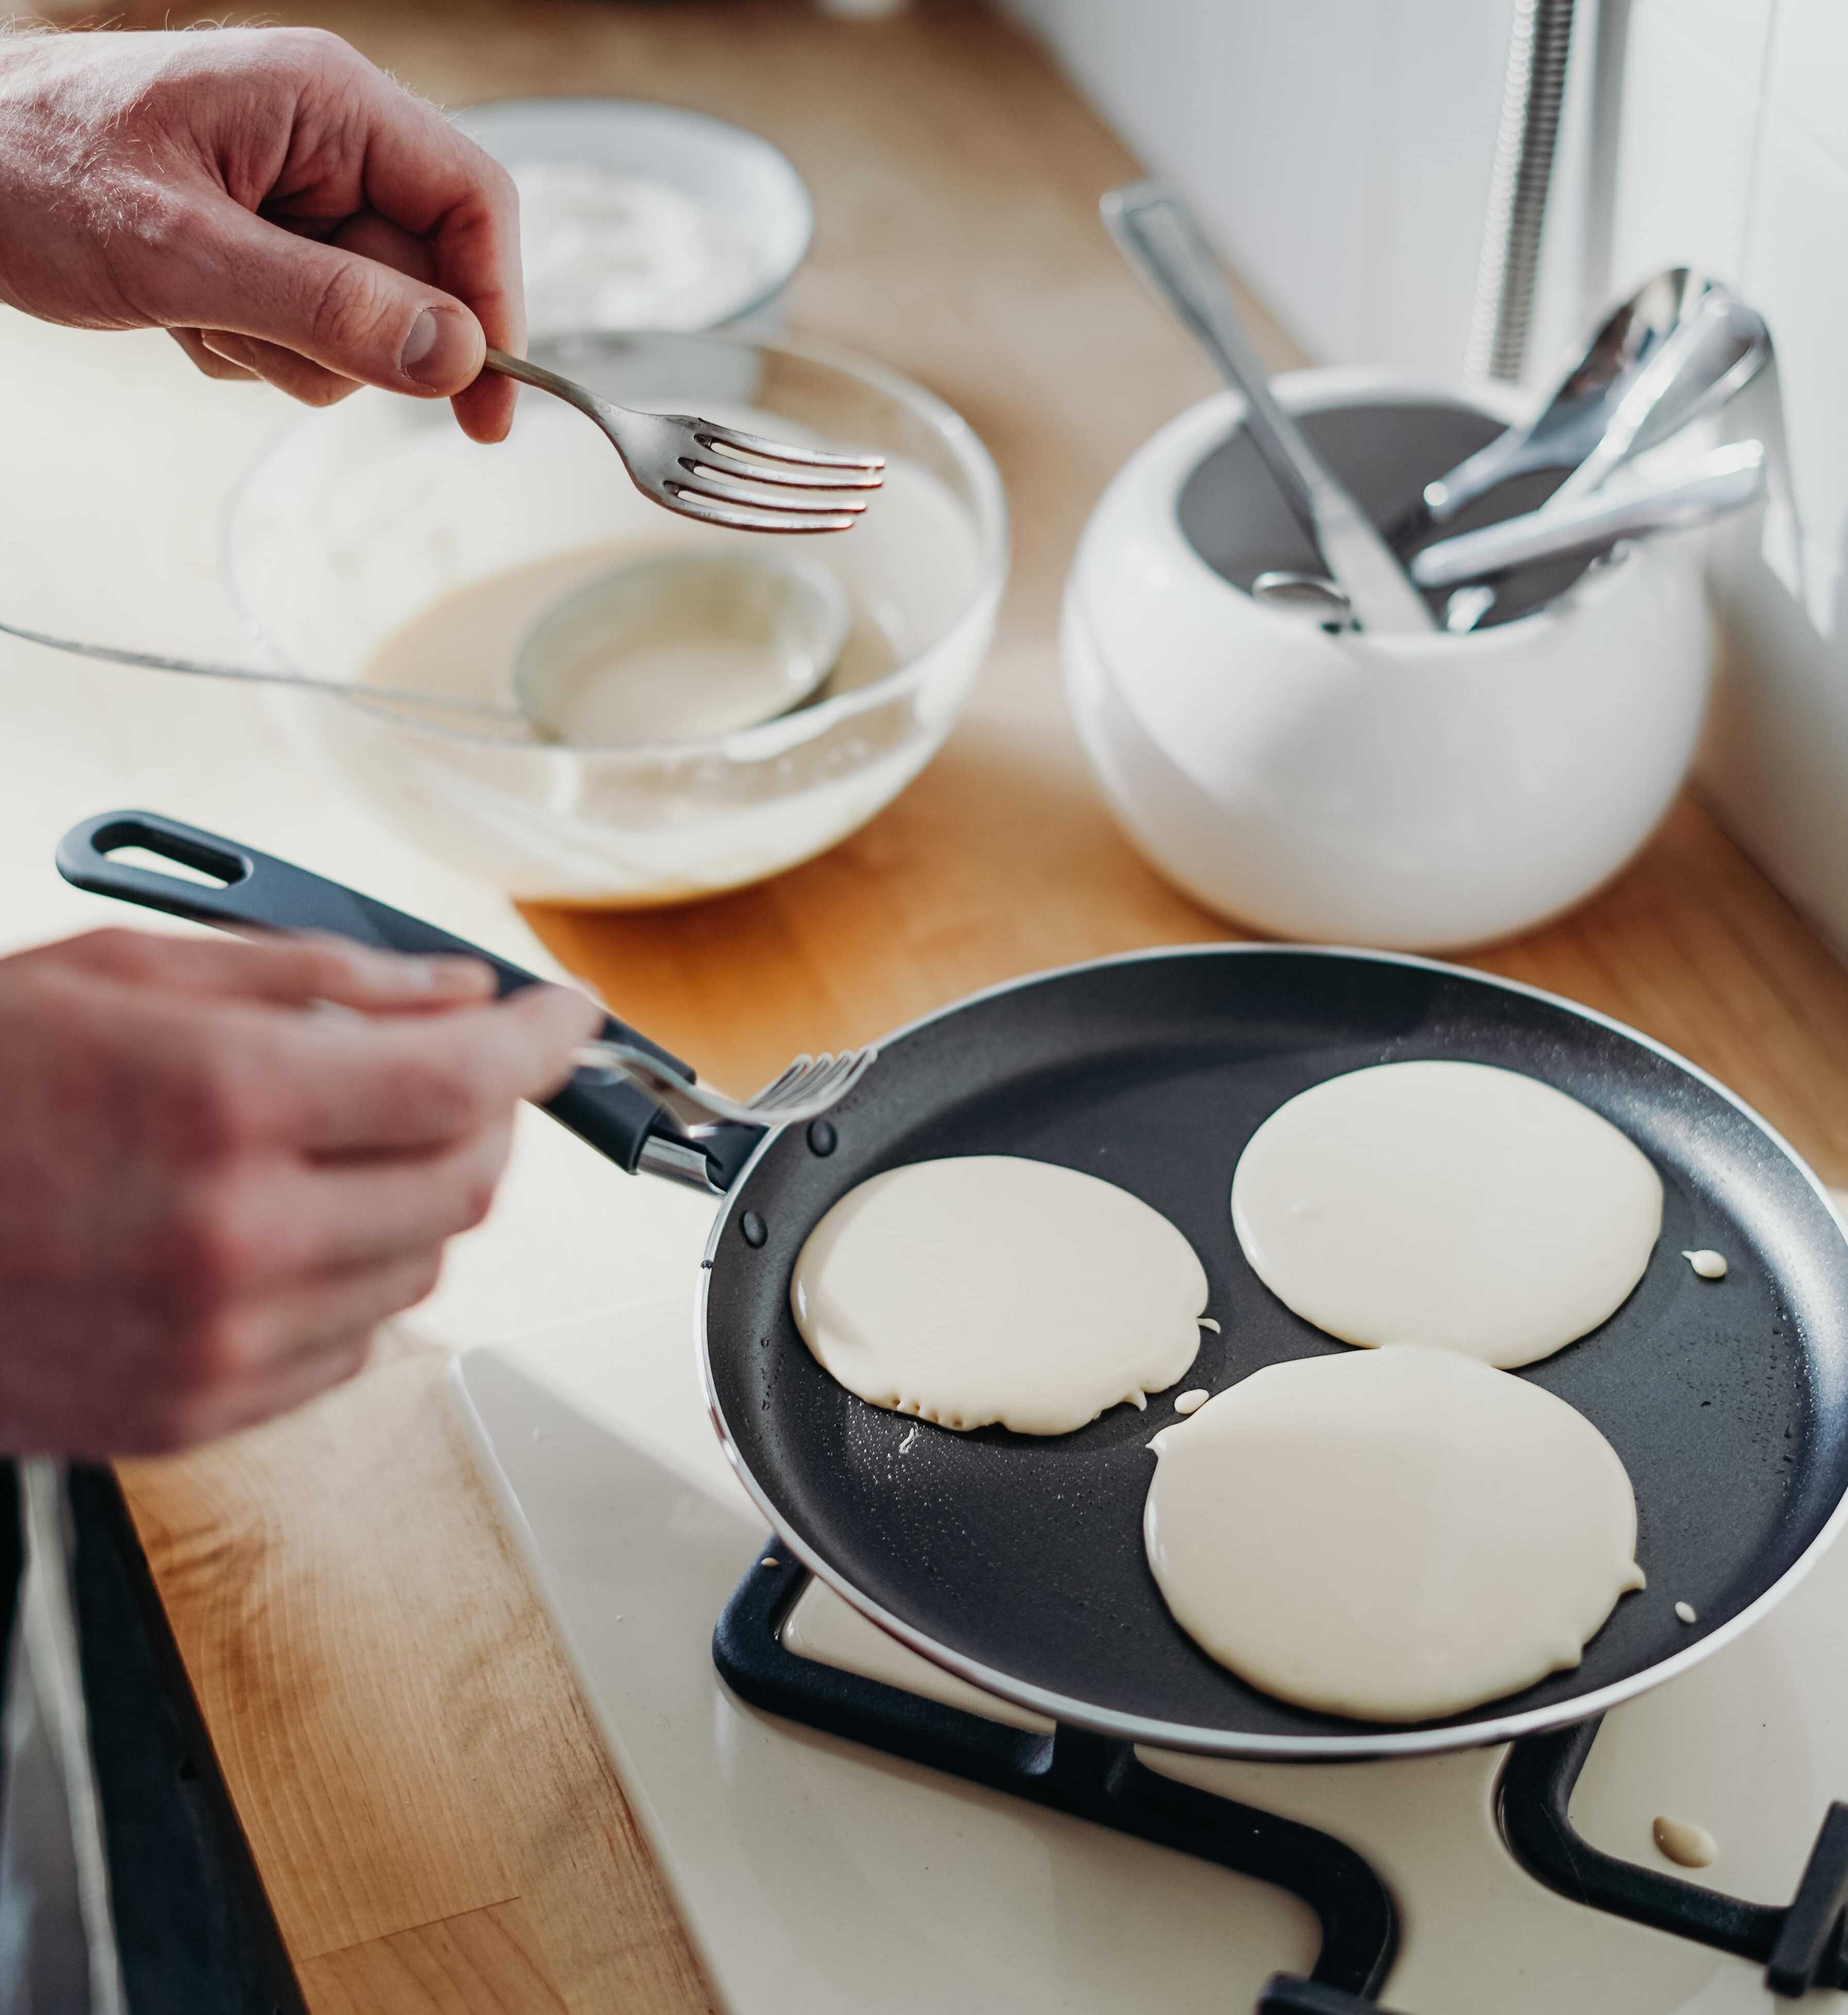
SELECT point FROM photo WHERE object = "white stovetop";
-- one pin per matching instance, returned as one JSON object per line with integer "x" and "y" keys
{"x": 819, "y": 1877}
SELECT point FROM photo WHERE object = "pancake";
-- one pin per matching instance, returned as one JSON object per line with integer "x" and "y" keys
{"x": 1394, "y": 1535}
{"x": 988, "y": 1289}
{"x": 1453, "y": 1204}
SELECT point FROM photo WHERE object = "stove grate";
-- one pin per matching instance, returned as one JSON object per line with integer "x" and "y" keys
{"x": 1800, "y": 1946}
{"x": 1088, "y": 1776}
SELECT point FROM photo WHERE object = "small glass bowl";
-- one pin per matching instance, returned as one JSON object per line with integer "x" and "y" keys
{"x": 352, "y": 532}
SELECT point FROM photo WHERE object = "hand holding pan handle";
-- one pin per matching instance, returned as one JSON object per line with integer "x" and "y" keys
{"x": 259, "y": 892}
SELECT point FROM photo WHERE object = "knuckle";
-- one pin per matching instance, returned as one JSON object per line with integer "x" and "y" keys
{"x": 421, "y": 1279}
{"x": 177, "y": 1420}
{"x": 119, "y": 952}
{"x": 166, "y": 1427}
{"x": 477, "y": 1200}
{"x": 346, "y": 1356}
{"x": 324, "y": 390}
{"x": 161, "y": 234}
{"x": 213, "y": 1251}
{"x": 350, "y": 311}
{"x": 223, "y": 1348}
{"x": 449, "y": 1095}
{"x": 319, "y": 49}
{"x": 225, "y": 1103}
{"x": 325, "y": 968}
{"x": 500, "y": 189}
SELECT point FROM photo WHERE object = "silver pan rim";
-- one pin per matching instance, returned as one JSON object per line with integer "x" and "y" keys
{"x": 1377, "y": 1740}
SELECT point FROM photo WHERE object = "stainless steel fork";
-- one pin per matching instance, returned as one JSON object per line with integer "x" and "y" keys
{"x": 805, "y": 1090}
{"x": 698, "y": 468}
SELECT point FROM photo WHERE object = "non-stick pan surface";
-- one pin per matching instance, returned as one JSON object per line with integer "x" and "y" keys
{"x": 1018, "y": 1560}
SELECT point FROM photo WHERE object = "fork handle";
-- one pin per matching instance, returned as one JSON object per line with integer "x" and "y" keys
{"x": 258, "y": 892}
{"x": 567, "y": 388}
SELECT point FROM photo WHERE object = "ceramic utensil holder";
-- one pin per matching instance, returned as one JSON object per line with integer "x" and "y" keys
{"x": 1415, "y": 793}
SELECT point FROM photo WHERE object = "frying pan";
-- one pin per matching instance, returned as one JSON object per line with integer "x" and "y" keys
{"x": 1017, "y": 1561}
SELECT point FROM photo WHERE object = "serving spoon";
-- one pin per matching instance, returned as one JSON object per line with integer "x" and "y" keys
{"x": 1678, "y": 348}
{"x": 1157, "y": 233}
{"x": 598, "y": 670}
{"x": 1726, "y": 478}
{"x": 691, "y": 466}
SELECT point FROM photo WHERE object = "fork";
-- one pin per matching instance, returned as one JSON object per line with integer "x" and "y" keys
{"x": 805, "y": 1090}
{"x": 693, "y": 465}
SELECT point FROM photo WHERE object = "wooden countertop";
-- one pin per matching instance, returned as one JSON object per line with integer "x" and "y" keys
{"x": 435, "y": 1822}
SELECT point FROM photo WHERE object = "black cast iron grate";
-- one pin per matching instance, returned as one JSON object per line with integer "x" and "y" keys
{"x": 1092, "y": 1777}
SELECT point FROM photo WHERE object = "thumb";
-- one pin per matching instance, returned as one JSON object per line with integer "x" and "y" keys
{"x": 358, "y": 317}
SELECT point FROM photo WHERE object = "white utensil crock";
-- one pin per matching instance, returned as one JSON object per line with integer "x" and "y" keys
{"x": 1410, "y": 792}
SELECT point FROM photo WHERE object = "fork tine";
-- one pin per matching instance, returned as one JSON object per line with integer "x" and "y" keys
{"x": 859, "y": 1063}
{"x": 780, "y": 1084}
{"x": 840, "y": 1069}
{"x": 832, "y": 1075}
{"x": 676, "y": 498}
{"x": 817, "y": 1082}
{"x": 707, "y": 435}
{"x": 731, "y": 492}
{"x": 715, "y": 463}
{"x": 810, "y": 1083}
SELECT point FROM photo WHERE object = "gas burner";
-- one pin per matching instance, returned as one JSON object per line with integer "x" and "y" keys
{"x": 1093, "y": 1777}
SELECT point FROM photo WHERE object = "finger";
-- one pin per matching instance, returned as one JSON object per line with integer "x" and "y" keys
{"x": 330, "y": 1215}
{"x": 386, "y": 1085}
{"x": 375, "y": 1210}
{"x": 310, "y": 382}
{"x": 356, "y": 318}
{"x": 443, "y": 192}
{"x": 290, "y": 1385}
{"x": 303, "y": 1350}
{"x": 311, "y": 1317}
{"x": 289, "y": 971}
{"x": 368, "y": 236}
{"x": 214, "y": 363}
{"x": 271, "y": 1222}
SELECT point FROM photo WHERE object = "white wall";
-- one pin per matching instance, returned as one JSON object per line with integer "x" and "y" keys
{"x": 1339, "y": 149}
{"x": 1733, "y": 154}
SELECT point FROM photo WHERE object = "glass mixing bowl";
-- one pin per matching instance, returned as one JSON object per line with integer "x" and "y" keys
{"x": 375, "y": 543}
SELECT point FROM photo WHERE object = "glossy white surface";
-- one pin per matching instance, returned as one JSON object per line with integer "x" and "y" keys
{"x": 1734, "y": 152}
{"x": 823, "y": 1627}
{"x": 1412, "y": 793}
{"x": 818, "y": 1879}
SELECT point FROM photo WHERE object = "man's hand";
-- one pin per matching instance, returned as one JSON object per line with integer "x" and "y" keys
{"x": 212, "y": 1187}
{"x": 286, "y": 209}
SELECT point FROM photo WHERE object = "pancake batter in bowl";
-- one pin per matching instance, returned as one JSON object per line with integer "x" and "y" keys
{"x": 1449, "y": 1203}
{"x": 987, "y": 1287}
{"x": 1394, "y": 1535}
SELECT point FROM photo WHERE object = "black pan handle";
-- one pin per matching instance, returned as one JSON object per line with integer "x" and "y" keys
{"x": 252, "y": 891}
